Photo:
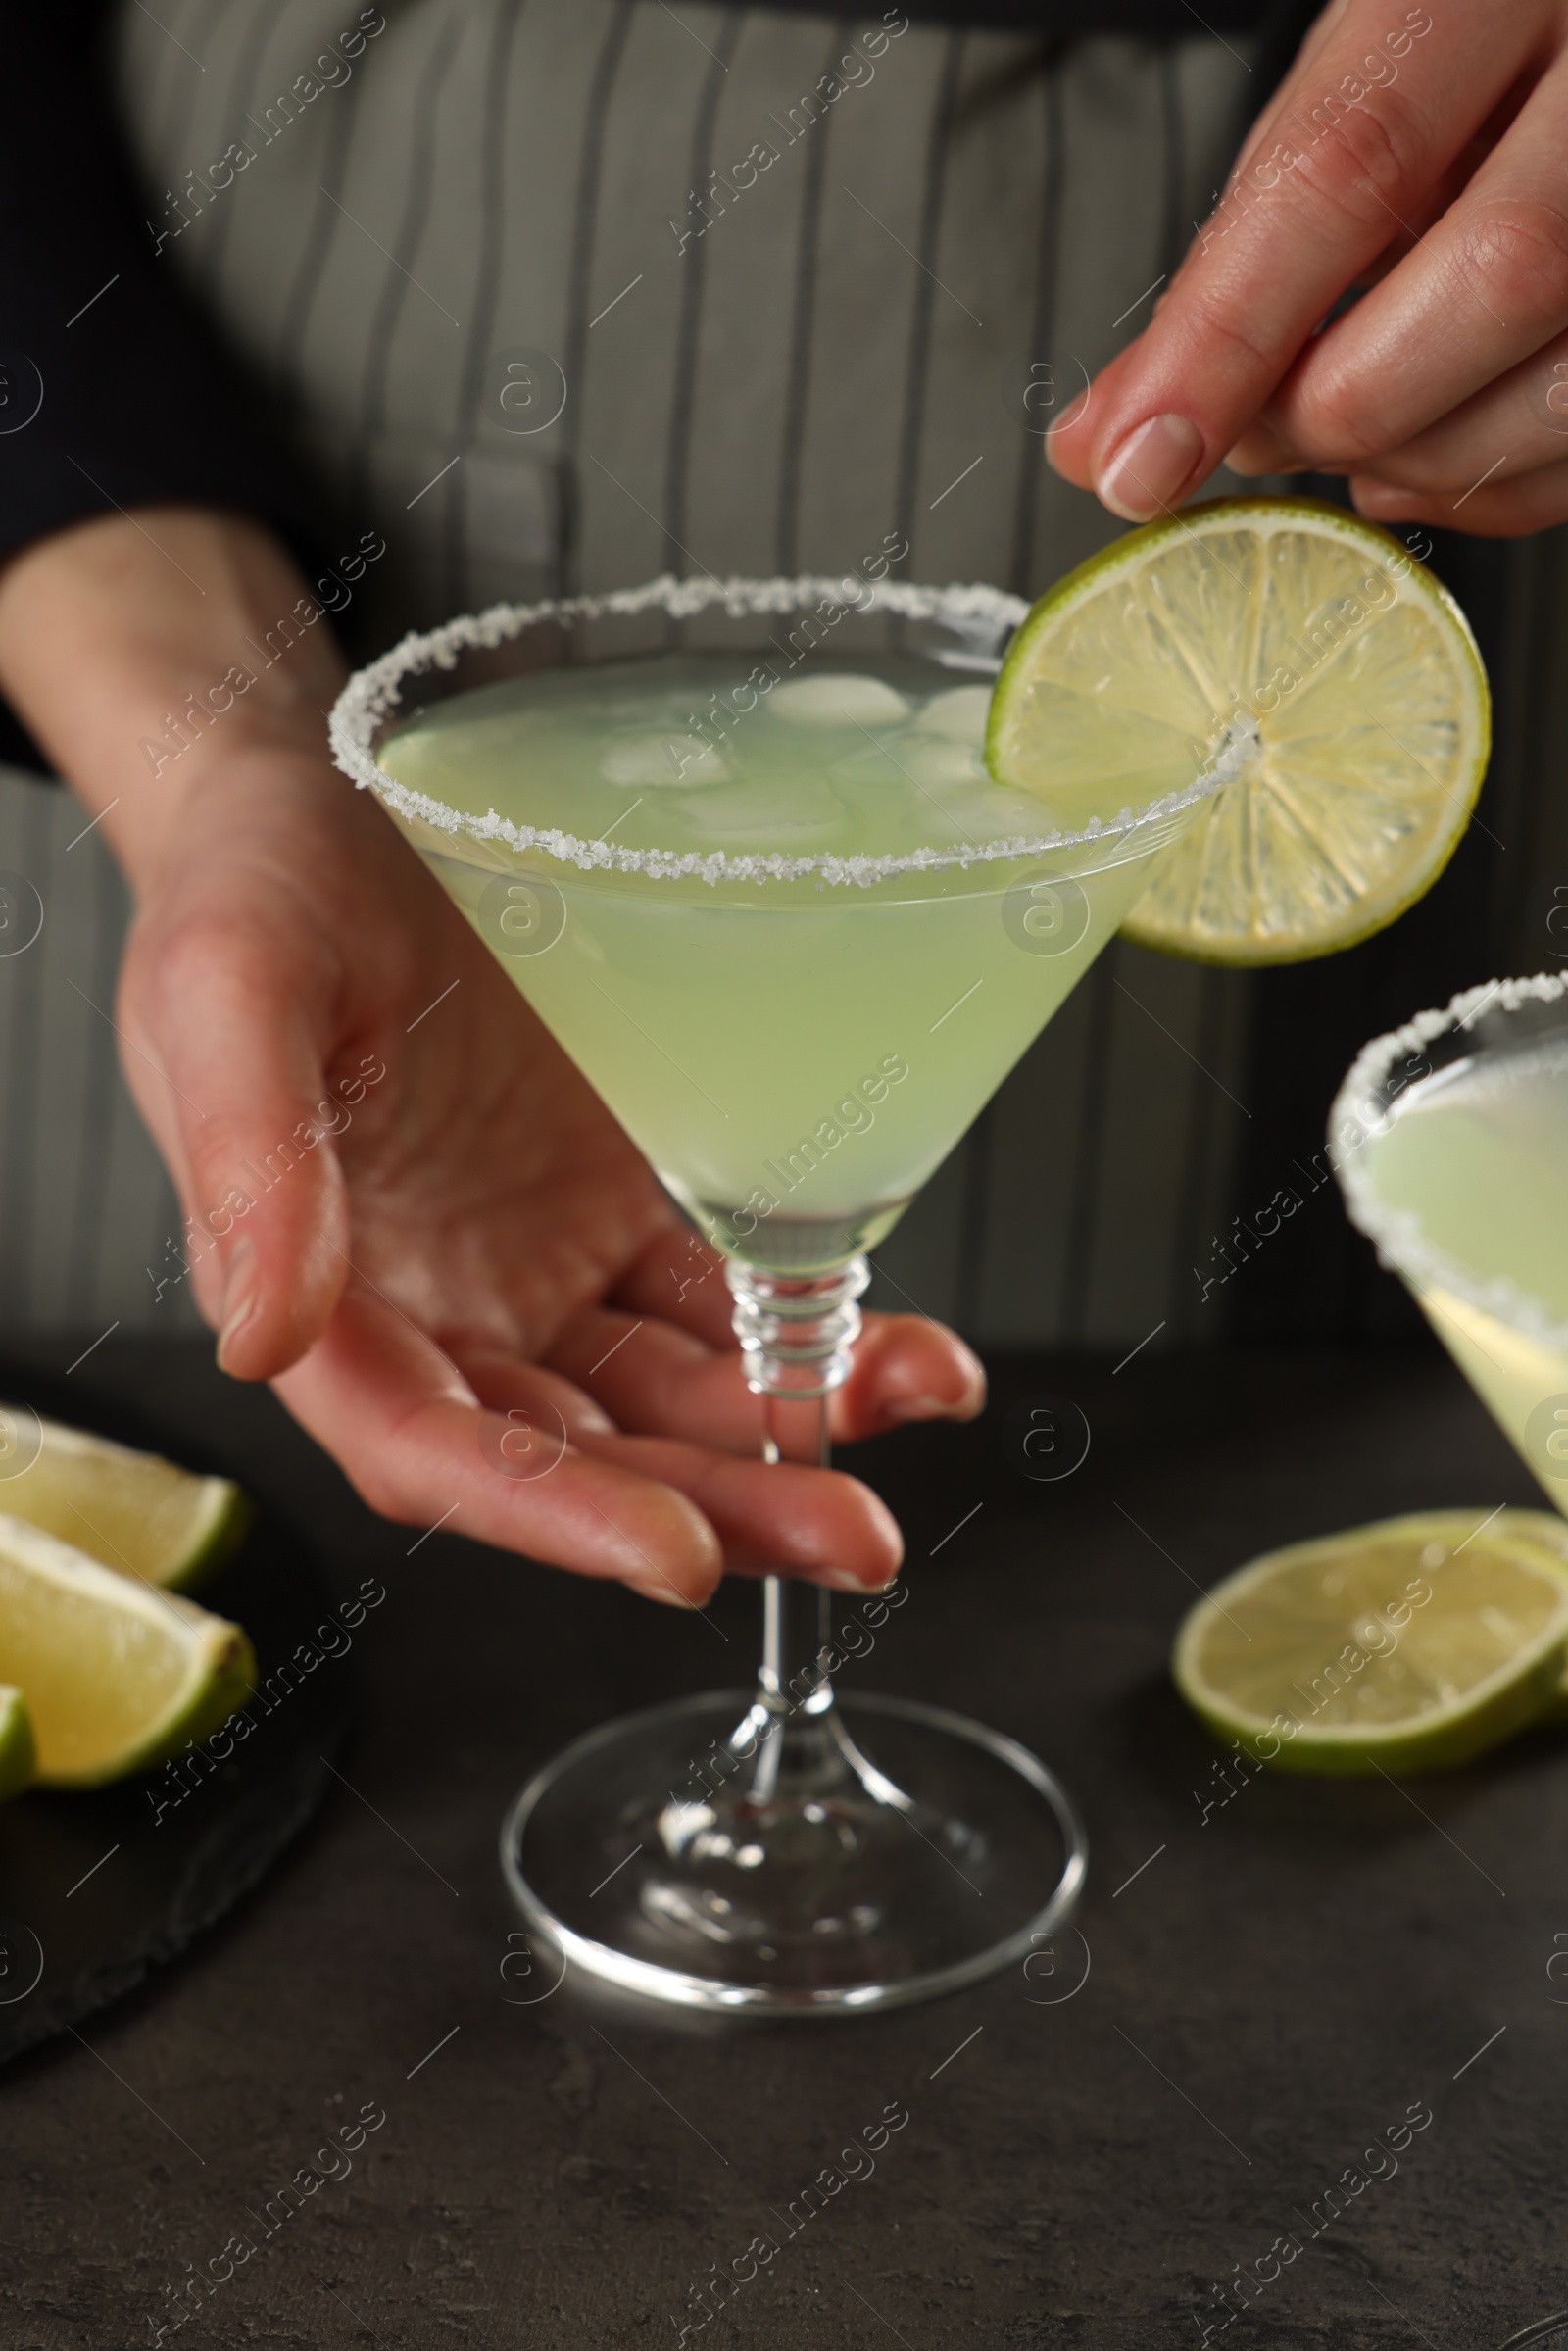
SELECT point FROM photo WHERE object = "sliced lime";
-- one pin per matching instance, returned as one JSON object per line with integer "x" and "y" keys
{"x": 131, "y": 1510}
{"x": 1307, "y": 655}
{"x": 1404, "y": 1647}
{"x": 116, "y": 1675}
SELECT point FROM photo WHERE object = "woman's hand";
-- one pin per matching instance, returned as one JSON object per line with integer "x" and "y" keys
{"x": 1421, "y": 153}
{"x": 404, "y": 1206}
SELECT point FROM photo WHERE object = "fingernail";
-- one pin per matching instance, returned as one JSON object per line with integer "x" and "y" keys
{"x": 1151, "y": 468}
{"x": 844, "y": 1578}
{"x": 1382, "y": 502}
{"x": 661, "y": 1590}
{"x": 242, "y": 1296}
{"x": 918, "y": 1407}
{"x": 940, "y": 1407}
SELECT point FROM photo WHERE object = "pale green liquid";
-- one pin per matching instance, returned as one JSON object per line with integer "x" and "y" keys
{"x": 1480, "y": 1155}
{"x": 795, "y": 1058}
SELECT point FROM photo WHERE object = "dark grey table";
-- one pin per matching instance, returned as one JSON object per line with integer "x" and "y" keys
{"x": 1274, "y": 1993}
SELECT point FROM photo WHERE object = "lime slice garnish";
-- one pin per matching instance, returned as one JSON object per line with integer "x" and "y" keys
{"x": 18, "y": 1758}
{"x": 1331, "y": 679}
{"x": 116, "y": 1675}
{"x": 131, "y": 1510}
{"x": 1402, "y": 1646}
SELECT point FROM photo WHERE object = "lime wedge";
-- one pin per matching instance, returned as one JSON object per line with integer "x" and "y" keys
{"x": 19, "y": 1760}
{"x": 1302, "y": 653}
{"x": 116, "y": 1675}
{"x": 131, "y": 1510}
{"x": 1404, "y": 1647}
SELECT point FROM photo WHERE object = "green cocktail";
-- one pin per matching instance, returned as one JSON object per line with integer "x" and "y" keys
{"x": 794, "y": 1055}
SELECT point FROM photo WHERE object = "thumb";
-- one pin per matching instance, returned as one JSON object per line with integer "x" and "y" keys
{"x": 225, "y": 1062}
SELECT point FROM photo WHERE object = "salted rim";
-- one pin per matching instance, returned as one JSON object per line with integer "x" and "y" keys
{"x": 372, "y": 692}
{"x": 1402, "y": 1239}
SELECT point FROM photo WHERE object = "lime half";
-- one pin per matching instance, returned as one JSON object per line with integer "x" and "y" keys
{"x": 18, "y": 1758}
{"x": 1402, "y": 1646}
{"x": 116, "y": 1675}
{"x": 131, "y": 1510}
{"x": 1305, "y": 657}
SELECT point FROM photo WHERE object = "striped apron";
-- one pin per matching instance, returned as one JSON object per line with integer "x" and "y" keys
{"x": 561, "y": 294}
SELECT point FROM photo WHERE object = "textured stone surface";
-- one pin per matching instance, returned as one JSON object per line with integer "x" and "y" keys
{"x": 1265, "y": 1995}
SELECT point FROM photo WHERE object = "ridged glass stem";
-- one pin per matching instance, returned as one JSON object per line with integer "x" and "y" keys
{"x": 796, "y": 1335}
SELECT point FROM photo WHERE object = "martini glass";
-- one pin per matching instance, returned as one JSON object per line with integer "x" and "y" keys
{"x": 1450, "y": 1143}
{"x": 735, "y": 843}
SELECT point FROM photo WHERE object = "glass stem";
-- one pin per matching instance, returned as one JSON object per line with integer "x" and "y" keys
{"x": 795, "y": 1334}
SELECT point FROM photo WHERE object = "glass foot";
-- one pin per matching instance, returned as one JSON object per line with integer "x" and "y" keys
{"x": 715, "y": 1854}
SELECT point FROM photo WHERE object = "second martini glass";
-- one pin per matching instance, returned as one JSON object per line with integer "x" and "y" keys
{"x": 1451, "y": 1140}
{"x": 735, "y": 843}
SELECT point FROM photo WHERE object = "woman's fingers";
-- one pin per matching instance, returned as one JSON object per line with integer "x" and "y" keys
{"x": 656, "y": 1380}
{"x": 411, "y": 1433}
{"x": 906, "y": 1368}
{"x": 1485, "y": 289}
{"x": 1505, "y": 508}
{"x": 225, "y": 1062}
{"x": 773, "y": 1519}
{"x": 530, "y": 1393}
{"x": 1497, "y": 467}
{"x": 681, "y": 1279}
{"x": 513, "y": 1454}
{"x": 1516, "y": 426}
{"x": 1366, "y": 125}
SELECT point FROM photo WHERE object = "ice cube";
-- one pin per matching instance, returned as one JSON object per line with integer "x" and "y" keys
{"x": 929, "y": 760}
{"x": 960, "y": 715}
{"x": 986, "y": 812}
{"x": 753, "y": 818}
{"x": 663, "y": 760}
{"x": 837, "y": 701}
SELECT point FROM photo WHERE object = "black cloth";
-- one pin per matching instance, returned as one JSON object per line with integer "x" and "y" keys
{"x": 115, "y": 391}
{"x": 135, "y": 397}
